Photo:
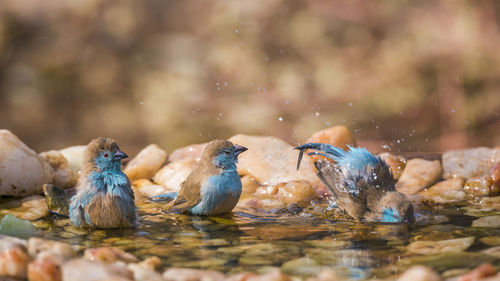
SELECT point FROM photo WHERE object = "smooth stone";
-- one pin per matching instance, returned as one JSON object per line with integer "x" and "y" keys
{"x": 63, "y": 174}
{"x": 272, "y": 161}
{"x": 57, "y": 200}
{"x": 12, "y": 226}
{"x": 417, "y": 175}
{"x": 146, "y": 188}
{"x": 84, "y": 270}
{"x": 443, "y": 246}
{"x": 193, "y": 151}
{"x": 489, "y": 221}
{"x": 146, "y": 163}
{"x": 304, "y": 266}
{"x": 46, "y": 266}
{"x": 494, "y": 251}
{"x": 297, "y": 191}
{"x": 74, "y": 156}
{"x": 338, "y": 136}
{"x": 22, "y": 171}
{"x": 396, "y": 163}
{"x": 451, "y": 190}
{"x": 108, "y": 255}
{"x": 184, "y": 274}
{"x": 38, "y": 245}
{"x": 491, "y": 240}
{"x": 419, "y": 273}
{"x": 173, "y": 174}
{"x": 14, "y": 258}
{"x": 481, "y": 186}
{"x": 467, "y": 163}
{"x": 29, "y": 208}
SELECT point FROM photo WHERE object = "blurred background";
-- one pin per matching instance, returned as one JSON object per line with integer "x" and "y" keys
{"x": 402, "y": 75}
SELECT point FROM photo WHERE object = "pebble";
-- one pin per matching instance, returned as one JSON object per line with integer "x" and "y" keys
{"x": 146, "y": 163}
{"x": 443, "y": 246}
{"x": 30, "y": 208}
{"x": 184, "y": 274}
{"x": 272, "y": 161}
{"x": 419, "y": 273}
{"x": 64, "y": 176}
{"x": 22, "y": 171}
{"x": 84, "y": 270}
{"x": 14, "y": 258}
{"x": 417, "y": 175}
{"x": 10, "y": 225}
{"x": 488, "y": 221}
{"x": 494, "y": 251}
{"x": 451, "y": 190}
{"x": 467, "y": 163}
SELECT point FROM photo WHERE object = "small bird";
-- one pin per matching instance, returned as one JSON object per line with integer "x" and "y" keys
{"x": 104, "y": 198}
{"x": 214, "y": 186}
{"x": 361, "y": 184}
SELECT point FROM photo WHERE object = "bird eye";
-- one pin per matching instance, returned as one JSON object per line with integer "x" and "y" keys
{"x": 105, "y": 155}
{"x": 227, "y": 152}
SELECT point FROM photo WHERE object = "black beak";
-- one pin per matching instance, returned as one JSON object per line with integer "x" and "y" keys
{"x": 239, "y": 149}
{"x": 119, "y": 155}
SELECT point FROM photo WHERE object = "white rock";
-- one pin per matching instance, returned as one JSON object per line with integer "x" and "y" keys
{"x": 74, "y": 155}
{"x": 22, "y": 172}
{"x": 63, "y": 174}
{"x": 147, "y": 162}
{"x": 272, "y": 161}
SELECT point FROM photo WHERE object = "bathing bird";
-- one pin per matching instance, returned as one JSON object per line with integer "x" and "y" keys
{"x": 214, "y": 186}
{"x": 104, "y": 198}
{"x": 361, "y": 183}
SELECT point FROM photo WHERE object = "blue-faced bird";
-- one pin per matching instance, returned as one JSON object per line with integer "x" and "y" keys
{"x": 104, "y": 198}
{"x": 214, "y": 186}
{"x": 361, "y": 183}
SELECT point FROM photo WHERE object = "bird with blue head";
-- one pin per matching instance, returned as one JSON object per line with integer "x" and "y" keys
{"x": 361, "y": 184}
{"x": 104, "y": 198}
{"x": 214, "y": 186}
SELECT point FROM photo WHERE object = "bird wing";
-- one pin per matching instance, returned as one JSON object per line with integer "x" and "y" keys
{"x": 344, "y": 191}
{"x": 189, "y": 195}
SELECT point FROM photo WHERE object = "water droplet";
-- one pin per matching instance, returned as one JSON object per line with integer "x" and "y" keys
{"x": 225, "y": 84}
{"x": 287, "y": 101}
{"x": 236, "y": 30}
{"x": 218, "y": 88}
{"x": 217, "y": 84}
{"x": 141, "y": 102}
{"x": 453, "y": 110}
{"x": 350, "y": 104}
{"x": 328, "y": 123}
{"x": 317, "y": 113}
{"x": 280, "y": 118}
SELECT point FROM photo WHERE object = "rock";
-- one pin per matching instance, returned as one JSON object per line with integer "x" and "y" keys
{"x": 45, "y": 267}
{"x": 446, "y": 191}
{"x": 495, "y": 175}
{"x": 298, "y": 191}
{"x": 489, "y": 221}
{"x": 479, "y": 273}
{"x": 491, "y": 240}
{"x": 146, "y": 163}
{"x": 397, "y": 163}
{"x": 74, "y": 156}
{"x": 22, "y": 172}
{"x": 84, "y": 270}
{"x": 326, "y": 274}
{"x": 417, "y": 175}
{"x": 467, "y": 163}
{"x": 273, "y": 275}
{"x": 304, "y": 266}
{"x": 108, "y": 255}
{"x": 481, "y": 186}
{"x": 63, "y": 174}
{"x": 38, "y": 245}
{"x": 144, "y": 274}
{"x": 29, "y": 208}
{"x": 249, "y": 184}
{"x": 419, "y": 273}
{"x": 14, "y": 258}
{"x": 57, "y": 200}
{"x": 184, "y": 274}
{"x": 193, "y": 151}
{"x": 272, "y": 161}
{"x": 338, "y": 136}
{"x": 12, "y": 226}
{"x": 148, "y": 189}
{"x": 173, "y": 174}
{"x": 494, "y": 251}
{"x": 443, "y": 246}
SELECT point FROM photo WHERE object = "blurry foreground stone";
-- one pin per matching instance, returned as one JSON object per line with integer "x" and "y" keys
{"x": 417, "y": 175}
{"x": 13, "y": 257}
{"x": 419, "y": 273}
{"x": 84, "y": 270}
{"x": 108, "y": 255}
{"x": 10, "y": 225}
{"x": 482, "y": 272}
{"x": 184, "y": 274}
{"x": 22, "y": 171}
{"x": 146, "y": 163}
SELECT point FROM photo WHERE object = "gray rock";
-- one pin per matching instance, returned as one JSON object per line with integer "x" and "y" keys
{"x": 489, "y": 221}
{"x": 467, "y": 163}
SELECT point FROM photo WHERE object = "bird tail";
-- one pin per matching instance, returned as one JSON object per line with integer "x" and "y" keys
{"x": 329, "y": 151}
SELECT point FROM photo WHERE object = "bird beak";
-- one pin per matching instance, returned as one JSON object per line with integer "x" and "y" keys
{"x": 119, "y": 155}
{"x": 239, "y": 149}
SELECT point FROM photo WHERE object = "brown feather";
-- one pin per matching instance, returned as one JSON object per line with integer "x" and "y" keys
{"x": 95, "y": 147}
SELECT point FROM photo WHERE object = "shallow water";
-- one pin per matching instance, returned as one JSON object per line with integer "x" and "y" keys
{"x": 301, "y": 244}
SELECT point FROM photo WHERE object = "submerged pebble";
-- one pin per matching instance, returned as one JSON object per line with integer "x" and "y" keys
{"x": 29, "y": 208}
{"x": 12, "y": 226}
{"x": 436, "y": 247}
{"x": 488, "y": 221}
{"x": 417, "y": 175}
